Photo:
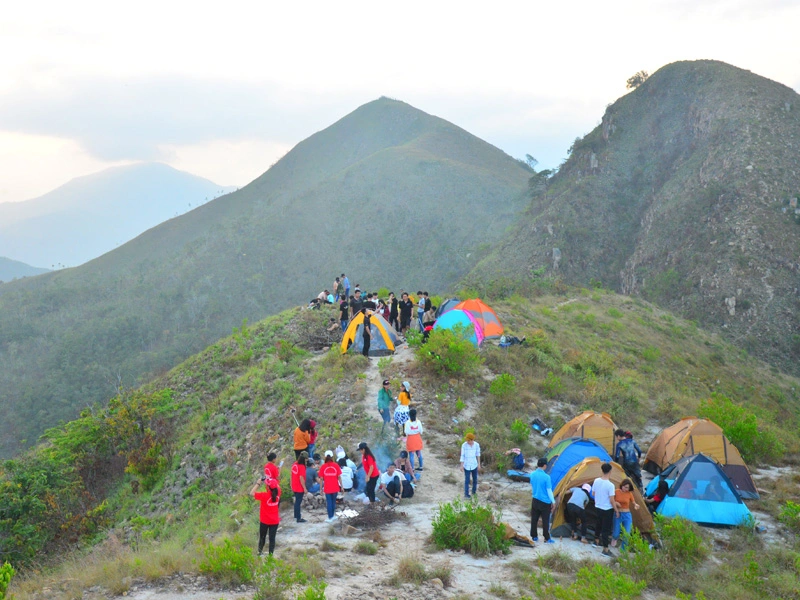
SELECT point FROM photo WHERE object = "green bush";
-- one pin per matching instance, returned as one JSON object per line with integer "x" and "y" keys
{"x": 6, "y": 573}
{"x": 520, "y": 431}
{"x": 682, "y": 543}
{"x": 643, "y": 563}
{"x": 790, "y": 515}
{"x": 742, "y": 428}
{"x": 651, "y": 354}
{"x": 615, "y": 312}
{"x": 274, "y": 579}
{"x": 449, "y": 352}
{"x": 552, "y": 386}
{"x": 230, "y": 562}
{"x": 600, "y": 583}
{"x": 469, "y": 526}
{"x": 503, "y": 386}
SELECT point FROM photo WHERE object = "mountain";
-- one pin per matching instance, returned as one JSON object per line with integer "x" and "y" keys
{"x": 13, "y": 269}
{"x": 389, "y": 194}
{"x": 91, "y": 215}
{"x": 685, "y": 194}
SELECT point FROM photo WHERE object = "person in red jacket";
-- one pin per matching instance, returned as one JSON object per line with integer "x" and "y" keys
{"x": 269, "y": 515}
{"x": 271, "y": 470}
{"x": 299, "y": 484}
{"x": 331, "y": 474}
{"x": 370, "y": 469}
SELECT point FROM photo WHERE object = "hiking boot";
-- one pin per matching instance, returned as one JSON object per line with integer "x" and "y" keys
{"x": 301, "y": 521}
{"x": 607, "y": 552}
{"x": 419, "y": 468}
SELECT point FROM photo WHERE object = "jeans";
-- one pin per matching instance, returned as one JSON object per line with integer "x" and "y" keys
{"x": 272, "y": 530}
{"x": 419, "y": 318}
{"x": 540, "y": 509}
{"x": 386, "y": 414}
{"x": 411, "y": 458}
{"x": 625, "y": 519}
{"x": 634, "y": 471}
{"x": 605, "y": 521}
{"x": 330, "y": 503}
{"x": 373, "y": 481}
{"x": 298, "y": 502}
{"x": 575, "y": 513}
{"x": 467, "y": 474}
{"x": 344, "y": 325}
{"x": 313, "y": 489}
{"x": 310, "y": 450}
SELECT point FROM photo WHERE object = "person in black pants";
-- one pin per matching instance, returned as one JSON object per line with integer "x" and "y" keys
{"x": 604, "y": 504}
{"x": 299, "y": 487}
{"x": 576, "y": 511}
{"x": 370, "y": 469}
{"x": 367, "y": 333}
{"x": 269, "y": 515}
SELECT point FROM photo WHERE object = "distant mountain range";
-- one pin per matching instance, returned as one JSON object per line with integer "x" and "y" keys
{"x": 91, "y": 215}
{"x": 686, "y": 194}
{"x": 13, "y": 269}
{"x": 389, "y": 194}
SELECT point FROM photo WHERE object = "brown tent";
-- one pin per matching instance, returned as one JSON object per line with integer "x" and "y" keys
{"x": 587, "y": 471}
{"x": 591, "y": 425}
{"x": 691, "y": 436}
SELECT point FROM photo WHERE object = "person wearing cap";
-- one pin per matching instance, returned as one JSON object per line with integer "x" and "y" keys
{"x": 403, "y": 402}
{"x": 384, "y": 403}
{"x": 331, "y": 475}
{"x": 542, "y": 502}
{"x": 470, "y": 463}
{"x": 576, "y": 510}
{"x": 405, "y": 467}
{"x": 269, "y": 515}
{"x": 371, "y": 470}
{"x": 299, "y": 487}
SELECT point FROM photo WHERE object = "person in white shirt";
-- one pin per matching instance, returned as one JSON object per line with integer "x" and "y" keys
{"x": 604, "y": 504}
{"x": 391, "y": 484}
{"x": 348, "y": 475}
{"x": 470, "y": 463}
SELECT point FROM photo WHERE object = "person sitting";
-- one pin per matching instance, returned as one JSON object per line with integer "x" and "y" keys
{"x": 348, "y": 475}
{"x": 661, "y": 492}
{"x": 392, "y": 486}
{"x": 312, "y": 482}
{"x": 714, "y": 490}
{"x": 405, "y": 467}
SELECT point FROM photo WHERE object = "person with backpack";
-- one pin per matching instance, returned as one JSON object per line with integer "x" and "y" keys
{"x": 628, "y": 455}
{"x": 331, "y": 475}
{"x": 542, "y": 501}
{"x": 269, "y": 515}
{"x": 413, "y": 430}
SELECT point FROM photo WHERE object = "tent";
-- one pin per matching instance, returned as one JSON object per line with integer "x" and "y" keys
{"x": 489, "y": 322}
{"x": 690, "y": 436}
{"x": 446, "y": 305}
{"x": 700, "y": 491}
{"x": 384, "y": 337}
{"x": 569, "y": 452}
{"x": 590, "y": 425}
{"x": 587, "y": 471}
{"x": 459, "y": 318}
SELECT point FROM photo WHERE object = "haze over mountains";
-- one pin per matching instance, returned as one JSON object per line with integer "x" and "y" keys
{"x": 389, "y": 194}
{"x": 91, "y": 215}
{"x": 686, "y": 195}
{"x": 14, "y": 269}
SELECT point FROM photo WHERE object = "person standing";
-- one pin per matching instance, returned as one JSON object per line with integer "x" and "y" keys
{"x": 403, "y": 402}
{"x": 542, "y": 503}
{"x": 413, "y": 431}
{"x": 628, "y": 455}
{"x": 623, "y": 498}
{"x": 356, "y": 304}
{"x": 367, "y": 333}
{"x": 420, "y": 309}
{"x": 299, "y": 487}
{"x": 269, "y": 515}
{"x": 393, "y": 312}
{"x": 331, "y": 475}
{"x": 603, "y": 492}
{"x": 370, "y": 470}
{"x": 470, "y": 463}
{"x": 302, "y": 437}
{"x": 576, "y": 511}
{"x": 384, "y": 403}
{"x": 346, "y": 283}
{"x": 406, "y": 306}
{"x": 344, "y": 312}
{"x": 271, "y": 470}
{"x": 339, "y": 289}
{"x": 313, "y": 434}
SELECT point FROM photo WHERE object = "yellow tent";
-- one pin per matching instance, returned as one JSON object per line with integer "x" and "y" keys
{"x": 383, "y": 341}
{"x": 691, "y": 436}
{"x": 587, "y": 471}
{"x": 591, "y": 425}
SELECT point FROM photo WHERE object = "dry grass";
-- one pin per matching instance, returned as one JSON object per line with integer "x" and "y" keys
{"x": 411, "y": 569}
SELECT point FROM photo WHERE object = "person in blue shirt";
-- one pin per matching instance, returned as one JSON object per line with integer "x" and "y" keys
{"x": 628, "y": 454}
{"x": 542, "y": 503}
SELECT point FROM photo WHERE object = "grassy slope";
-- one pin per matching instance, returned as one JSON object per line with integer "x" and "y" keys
{"x": 685, "y": 208}
{"x": 387, "y": 194}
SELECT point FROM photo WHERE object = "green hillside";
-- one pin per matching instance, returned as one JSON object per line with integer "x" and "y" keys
{"x": 683, "y": 195}
{"x": 387, "y": 194}
{"x": 165, "y": 468}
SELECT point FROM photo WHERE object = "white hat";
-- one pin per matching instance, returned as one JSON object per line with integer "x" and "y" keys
{"x": 328, "y": 453}
{"x": 407, "y": 386}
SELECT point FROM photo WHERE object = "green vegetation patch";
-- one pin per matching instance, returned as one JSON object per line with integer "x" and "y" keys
{"x": 469, "y": 526}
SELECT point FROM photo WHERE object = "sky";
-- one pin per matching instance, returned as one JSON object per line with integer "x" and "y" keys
{"x": 224, "y": 90}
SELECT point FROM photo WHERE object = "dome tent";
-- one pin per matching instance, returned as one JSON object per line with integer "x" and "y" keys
{"x": 459, "y": 319}
{"x": 446, "y": 305}
{"x": 484, "y": 315}
{"x": 384, "y": 338}
{"x": 692, "y": 435}
{"x": 569, "y": 452}
{"x": 700, "y": 491}
{"x": 591, "y": 425}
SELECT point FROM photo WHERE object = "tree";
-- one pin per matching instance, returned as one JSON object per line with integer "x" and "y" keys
{"x": 530, "y": 161}
{"x": 637, "y": 80}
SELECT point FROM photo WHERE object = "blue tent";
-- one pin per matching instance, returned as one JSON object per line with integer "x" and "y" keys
{"x": 569, "y": 452}
{"x": 462, "y": 321}
{"x": 700, "y": 492}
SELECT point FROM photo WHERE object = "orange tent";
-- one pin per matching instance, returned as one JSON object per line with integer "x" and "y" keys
{"x": 590, "y": 425}
{"x": 691, "y": 436}
{"x": 484, "y": 315}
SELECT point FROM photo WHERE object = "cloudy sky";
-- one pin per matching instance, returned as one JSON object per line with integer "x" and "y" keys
{"x": 223, "y": 90}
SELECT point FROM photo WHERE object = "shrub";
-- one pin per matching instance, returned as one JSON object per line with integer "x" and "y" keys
{"x": 552, "y": 386}
{"x": 503, "y": 386}
{"x": 682, "y": 544}
{"x": 230, "y": 562}
{"x": 411, "y": 569}
{"x": 742, "y": 429}
{"x": 469, "y": 526}
{"x": 449, "y": 352}
{"x": 6, "y": 573}
{"x": 643, "y": 563}
{"x": 790, "y": 515}
{"x": 520, "y": 431}
{"x": 365, "y": 547}
{"x": 599, "y": 583}
{"x": 275, "y": 578}
{"x": 651, "y": 354}
{"x": 615, "y": 312}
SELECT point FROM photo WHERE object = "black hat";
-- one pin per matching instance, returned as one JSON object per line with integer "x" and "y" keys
{"x": 363, "y": 446}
